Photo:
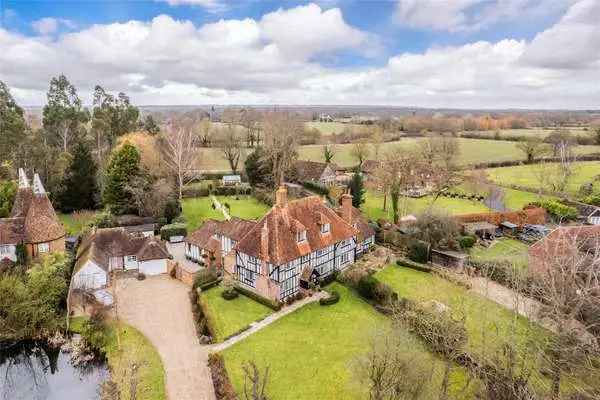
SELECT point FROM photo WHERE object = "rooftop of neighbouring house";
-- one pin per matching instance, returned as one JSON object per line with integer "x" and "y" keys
{"x": 311, "y": 170}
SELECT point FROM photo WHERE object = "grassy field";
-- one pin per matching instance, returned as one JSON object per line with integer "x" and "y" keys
{"x": 312, "y": 352}
{"x": 504, "y": 249}
{"x": 540, "y": 132}
{"x": 199, "y": 209}
{"x": 329, "y": 128}
{"x": 135, "y": 349}
{"x": 229, "y": 316}
{"x": 373, "y": 206}
{"x": 74, "y": 223}
{"x": 529, "y": 175}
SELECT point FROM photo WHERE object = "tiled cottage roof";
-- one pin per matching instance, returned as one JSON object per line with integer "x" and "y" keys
{"x": 359, "y": 222}
{"x": 235, "y": 229}
{"x": 310, "y": 170}
{"x": 103, "y": 244}
{"x": 12, "y": 230}
{"x": 201, "y": 237}
{"x": 273, "y": 238}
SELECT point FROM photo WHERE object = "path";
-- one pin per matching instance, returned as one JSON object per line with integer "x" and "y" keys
{"x": 159, "y": 307}
{"x": 220, "y": 207}
{"x": 255, "y": 327}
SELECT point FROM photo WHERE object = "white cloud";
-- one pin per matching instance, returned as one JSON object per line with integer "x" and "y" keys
{"x": 168, "y": 61}
{"x": 49, "y": 25}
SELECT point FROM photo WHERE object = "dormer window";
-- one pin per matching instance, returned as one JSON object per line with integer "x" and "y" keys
{"x": 301, "y": 236}
{"x": 325, "y": 228}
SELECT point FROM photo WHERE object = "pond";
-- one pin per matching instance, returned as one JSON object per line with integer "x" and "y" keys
{"x": 32, "y": 371}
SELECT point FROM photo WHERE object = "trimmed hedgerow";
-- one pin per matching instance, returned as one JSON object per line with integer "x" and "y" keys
{"x": 275, "y": 305}
{"x": 402, "y": 262}
{"x": 224, "y": 390}
{"x": 333, "y": 298}
{"x": 172, "y": 230}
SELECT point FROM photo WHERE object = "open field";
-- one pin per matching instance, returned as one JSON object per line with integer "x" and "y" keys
{"x": 312, "y": 352}
{"x": 472, "y": 151}
{"x": 539, "y": 132}
{"x": 504, "y": 249}
{"x": 529, "y": 175}
{"x": 229, "y": 316}
{"x": 373, "y": 206}
{"x": 199, "y": 209}
{"x": 329, "y": 128}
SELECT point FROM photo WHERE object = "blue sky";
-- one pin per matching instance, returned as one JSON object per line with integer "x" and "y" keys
{"x": 337, "y": 52}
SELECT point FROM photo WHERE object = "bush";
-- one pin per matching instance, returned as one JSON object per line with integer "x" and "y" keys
{"x": 418, "y": 251}
{"x": 264, "y": 196}
{"x": 467, "y": 241}
{"x": 172, "y": 230}
{"x": 558, "y": 210}
{"x": 104, "y": 220}
{"x": 372, "y": 289}
{"x": 315, "y": 187}
{"x": 333, "y": 298}
{"x": 328, "y": 279}
{"x": 204, "y": 277}
{"x": 194, "y": 191}
{"x": 413, "y": 265}
{"x": 229, "y": 294}
{"x": 262, "y": 300}
{"x": 223, "y": 388}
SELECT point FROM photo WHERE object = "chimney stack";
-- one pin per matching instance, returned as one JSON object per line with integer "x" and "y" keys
{"x": 281, "y": 196}
{"x": 347, "y": 208}
{"x": 264, "y": 242}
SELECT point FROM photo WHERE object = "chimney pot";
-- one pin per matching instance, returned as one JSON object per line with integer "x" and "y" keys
{"x": 281, "y": 196}
{"x": 347, "y": 208}
{"x": 264, "y": 242}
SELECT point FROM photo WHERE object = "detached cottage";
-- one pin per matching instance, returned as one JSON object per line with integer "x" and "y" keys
{"x": 297, "y": 242}
{"x": 33, "y": 223}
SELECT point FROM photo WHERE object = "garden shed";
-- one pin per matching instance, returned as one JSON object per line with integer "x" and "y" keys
{"x": 231, "y": 180}
{"x": 508, "y": 228}
{"x": 449, "y": 259}
{"x": 483, "y": 229}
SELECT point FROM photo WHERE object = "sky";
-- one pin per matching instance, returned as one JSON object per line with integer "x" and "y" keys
{"x": 483, "y": 54}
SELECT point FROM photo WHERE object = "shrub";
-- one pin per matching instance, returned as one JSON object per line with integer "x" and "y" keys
{"x": 223, "y": 388}
{"x": 262, "y": 300}
{"x": 172, "y": 230}
{"x": 194, "y": 191}
{"x": 203, "y": 277}
{"x": 333, "y": 298}
{"x": 141, "y": 276}
{"x": 315, "y": 187}
{"x": 558, "y": 210}
{"x": 328, "y": 279}
{"x": 413, "y": 265}
{"x": 467, "y": 241}
{"x": 104, "y": 220}
{"x": 229, "y": 294}
{"x": 418, "y": 251}
{"x": 372, "y": 289}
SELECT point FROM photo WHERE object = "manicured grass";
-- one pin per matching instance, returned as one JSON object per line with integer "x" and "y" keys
{"x": 373, "y": 206}
{"x": 312, "y": 352}
{"x": 230, "y": 316}
{"x": 75, "y": 223}
{"x": 504, "y": 249}
{"x": 529, "y": 175}
{"x": 199, "y": 209}
{"x": 329, "y": 128}
{"x": 134, "y": 349}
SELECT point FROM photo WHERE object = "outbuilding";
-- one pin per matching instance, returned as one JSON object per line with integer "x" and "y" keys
{"x": 448, "y": 258}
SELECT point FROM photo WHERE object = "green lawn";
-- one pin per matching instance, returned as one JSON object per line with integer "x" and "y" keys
{"x": 312, "y": 352}
{"x": 373, "y": 206}
{"x": 540, "y": 132}
{"x": 135, "y": 349}
{"x": 529, "y": 175}
{"x": 504, "y": 249}
{"x": 74, "y": 223}
{"x": 329, "y": 128}
{"x": 199, "y": 209}
{"x": 229, "y": 316}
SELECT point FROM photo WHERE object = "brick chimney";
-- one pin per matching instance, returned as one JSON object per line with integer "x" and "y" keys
{"x": 347, "y": 208}
{"x": 264, "y": 242}
{"x": 281, "y": 196}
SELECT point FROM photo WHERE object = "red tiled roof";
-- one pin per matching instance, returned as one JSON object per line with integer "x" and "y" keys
{"x": 202, "y": 236}
{"x": 235, "y": 229}
{"x": 311, "y": 170}
{"x": 12, "y": 230}
{"x": 281, "y": 241}
{"x": 360, "y": 222}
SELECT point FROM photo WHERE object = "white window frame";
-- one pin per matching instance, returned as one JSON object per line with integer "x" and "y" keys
{"x": 344, "y": 258}
{"x": 5, "y": 249}
{"x": 43, "y": 247}
{"x": 131, "y": 258}
{"x": 325, "y": 228}
{"x": 301, "y": 236}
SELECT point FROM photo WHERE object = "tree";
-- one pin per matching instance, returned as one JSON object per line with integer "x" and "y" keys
{"x": 532, "y": 147}
{"x": 596, "y": 132}
{"x": 357, "y": 190}
{"x": 152, "y": 199}
{"x": 64, "y": 115}
{"x": 78, "y": 185}
{"x": 258, "y": 169}
{"x": 181, "y": 155}
{"x": 255, "y": 382}
{"x": 281, "y": 134}
{"x": 150, "y": 125}
{"x": 12, "y": 124}
{"x": 122, "y": 169}
{"x": 328, "y": 153}
{"x": 206, "y": 131}
{"x": 437, "y": 167}
{"x": 232, "y": 147}
{"x": 360, "y": 151}
{"x": 8, "y": 191}
{"x": 377, "y": 139}
{"x": 561, "y": 141}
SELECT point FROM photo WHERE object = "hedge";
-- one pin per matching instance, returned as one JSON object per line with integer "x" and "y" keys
{"x": 210, "y": 322}
{"x": 558, "y": 209}
{"x": 315, "y": 187}
{"x": 208, "y": 285}
{"x": 333, "y": 298}
{"x": 372, "y": 289}
{"x": 224, "y": 390}
{"x": 173, "y": 230}
{"x": 418, "y": 251}
{"x": 467, "y": 241}
{"x": 229, "y": 294}
{"x": 402, "y": 262}
{"x": 275, "y": 305}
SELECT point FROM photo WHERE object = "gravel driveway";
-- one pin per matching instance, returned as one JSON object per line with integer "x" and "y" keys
{"x": 160, "y": 308}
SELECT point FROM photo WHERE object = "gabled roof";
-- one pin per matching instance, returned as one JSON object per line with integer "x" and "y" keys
{"x": 12, "y": 230}
{"x": 273, "y": 239}
{"x": 235, "y": 229}
{"x": 103, "y": 244}
{"x": 359, "y": 222}
{"x": 311, "y": 170}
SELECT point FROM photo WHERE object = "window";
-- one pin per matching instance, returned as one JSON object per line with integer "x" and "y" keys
{"x": 43, "y": 247}
{"x": 5, "y": 249}
{"x": 301, "y": 236}
{"x": 344, "y": 258}
{"x": 131, "y": 258}
{"x": 325, "y": 228}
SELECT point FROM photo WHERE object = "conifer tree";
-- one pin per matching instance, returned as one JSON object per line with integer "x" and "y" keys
{"x": 357, "y": 190}
{"x": 78, "y": 186}
{"x": 123, "y": 167}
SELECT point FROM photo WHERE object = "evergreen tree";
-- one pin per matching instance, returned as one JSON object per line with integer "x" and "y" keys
{"x": 123, "y": 167}
{"x": 78, "y": 186}
{"x": 258, "y": 169}
{"x": 357, "y": 190}
{"x": 8, "y": 191}
{"x": 12, "y": 124}
{"x": 150, "y": 125}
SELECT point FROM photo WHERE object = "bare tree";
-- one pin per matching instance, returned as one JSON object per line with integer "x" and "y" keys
{"x": 255, "y": 382}
{"x": 180, "y": 154}
{"x": 438, "y": 164}
{"x": 532, "y": 147}
{"x": 205, "y": 131}
{"x": 360, "y": 151}
{"x": 231, "y": 147}
{"x": 281, "y": 134}
{"x": 377, "y": 139}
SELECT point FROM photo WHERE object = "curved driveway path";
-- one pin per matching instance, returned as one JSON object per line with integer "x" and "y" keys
{"x": 160, "y": 308}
